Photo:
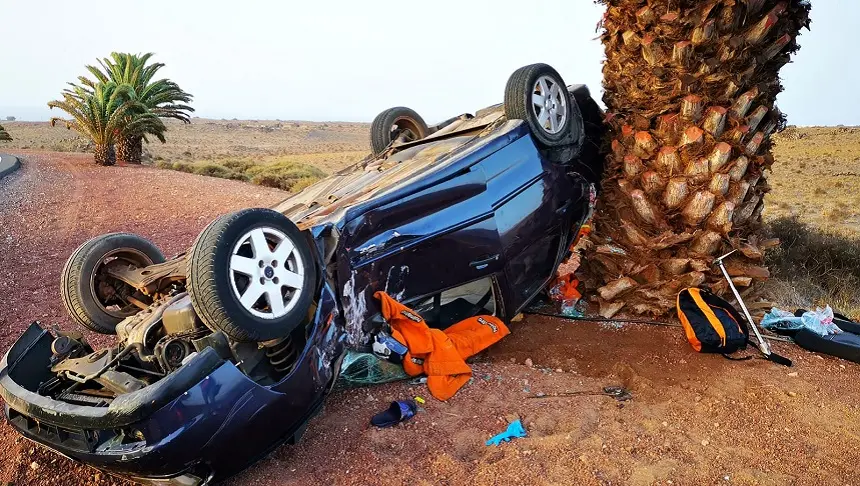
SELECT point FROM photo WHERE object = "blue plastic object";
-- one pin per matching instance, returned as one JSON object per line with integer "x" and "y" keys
{"x": 819, "y": 321}
{"x": 515, "y": 430}
{"x": 399, "y": 411}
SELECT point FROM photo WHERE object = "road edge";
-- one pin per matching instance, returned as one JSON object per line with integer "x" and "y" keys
{"x": 8, "y": 164}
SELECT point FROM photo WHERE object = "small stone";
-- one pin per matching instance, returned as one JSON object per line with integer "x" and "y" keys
{"x": 698, "y": 399}
{"x": 582, "y": 458}
{"x": 529, "y": 362}
{"x": 705, "y": 442}
{"x": 683, "y": 361}
{"x": 665, "y": 424}
{"x": 716, "y": 425}
{"x": 792, "y": 394}
{"x": 793, "y": 373}
{"x": 559, "y": 370}
{"x": 842, "y": 366}
{"x": 513, "y": 360}
{"x": 34, "y": 465}
{"x": 726, "y": 478}
{"x": 97, "y": 477}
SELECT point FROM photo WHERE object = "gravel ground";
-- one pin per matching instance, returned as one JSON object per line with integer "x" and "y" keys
{"x": 693, "y": 419}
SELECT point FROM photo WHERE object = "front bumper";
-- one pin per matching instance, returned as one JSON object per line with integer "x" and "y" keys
{"x": 204, "y": 422}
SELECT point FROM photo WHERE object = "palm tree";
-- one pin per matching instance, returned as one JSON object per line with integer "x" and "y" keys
{"x": 4, "y": 135}
{"x": 106, "y": 113}
{"x": 163, "y": 97}
{"x": 690, "y": 89}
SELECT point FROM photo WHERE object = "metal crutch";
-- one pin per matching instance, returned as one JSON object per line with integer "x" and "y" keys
{"x": 763, "y": 346}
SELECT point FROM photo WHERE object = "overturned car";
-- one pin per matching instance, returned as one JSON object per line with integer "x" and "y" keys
{"x": 228, "y": 350}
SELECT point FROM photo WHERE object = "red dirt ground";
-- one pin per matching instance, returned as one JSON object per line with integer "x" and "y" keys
{"x": 694, "y": 419}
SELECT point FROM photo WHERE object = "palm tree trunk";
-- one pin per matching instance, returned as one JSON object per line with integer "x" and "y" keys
{"x": 137, "y": 150}
{"x": 104, "y": 154}
{"x": 129, "y": 149}
{"x": 690, "y": 90}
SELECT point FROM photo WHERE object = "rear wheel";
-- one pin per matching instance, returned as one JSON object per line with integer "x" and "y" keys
{"x": 537, "y": 94}
{"x": 393, "y": 123}
{"x": 251, "y": 275}
{"x": 92, "y": 297}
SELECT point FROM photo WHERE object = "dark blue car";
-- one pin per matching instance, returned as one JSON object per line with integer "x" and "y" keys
{"x": 226, "y": 351}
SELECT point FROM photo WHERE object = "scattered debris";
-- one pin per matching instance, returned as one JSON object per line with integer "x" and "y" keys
{"x": 399, "y": 411}
{"x": 528, "y": 362}
{"x": 819, "y": 321}
{"x": 617, "y": 392}
{"x": 515, "y": 430}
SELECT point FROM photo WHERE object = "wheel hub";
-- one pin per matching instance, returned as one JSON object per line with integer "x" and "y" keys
{"x": 266, "y": 273}
{"x": 549, "y": 104}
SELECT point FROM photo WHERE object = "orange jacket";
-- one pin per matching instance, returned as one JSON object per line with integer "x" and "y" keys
{"x": 441, "y": 355}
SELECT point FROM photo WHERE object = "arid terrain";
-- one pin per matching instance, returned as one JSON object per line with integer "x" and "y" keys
{"x": 694, "y": 419}
{"x": 328, "y": 146}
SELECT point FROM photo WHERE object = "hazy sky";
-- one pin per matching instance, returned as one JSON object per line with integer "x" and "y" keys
{"x": 348, "y": 60}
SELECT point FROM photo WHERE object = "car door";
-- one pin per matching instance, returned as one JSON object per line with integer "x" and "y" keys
{"x": 534, "y": 205}
{"x": 432, "y": 239}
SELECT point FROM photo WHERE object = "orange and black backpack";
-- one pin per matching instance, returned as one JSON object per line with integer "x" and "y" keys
{"x": 711, "y": 324}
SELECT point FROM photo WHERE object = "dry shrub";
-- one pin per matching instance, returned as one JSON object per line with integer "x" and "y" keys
{"x": 215, "y": 170}
{"x": 813, "y": 267}
{"x": 285, "y": 175}
{"x": 238, "y": 165}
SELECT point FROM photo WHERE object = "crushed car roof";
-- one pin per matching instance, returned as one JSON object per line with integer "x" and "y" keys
{"x": 327, "y": 200}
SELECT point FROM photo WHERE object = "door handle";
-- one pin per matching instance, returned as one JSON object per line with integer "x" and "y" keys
{"x": 482, "y": 264}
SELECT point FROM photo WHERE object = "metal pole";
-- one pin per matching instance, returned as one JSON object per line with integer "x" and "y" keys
{"x": 762, "y": 343}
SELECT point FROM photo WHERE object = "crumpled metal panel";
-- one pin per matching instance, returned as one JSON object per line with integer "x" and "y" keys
{"x": 328, "y": 199}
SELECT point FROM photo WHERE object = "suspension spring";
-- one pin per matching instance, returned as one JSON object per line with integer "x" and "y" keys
{"x": 283, "y": 355}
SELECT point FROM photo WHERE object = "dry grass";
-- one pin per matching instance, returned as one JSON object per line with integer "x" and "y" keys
{"x": 814, "y": 208}
{"x": 812, "y": 267}
{"x": 285, "y": 155}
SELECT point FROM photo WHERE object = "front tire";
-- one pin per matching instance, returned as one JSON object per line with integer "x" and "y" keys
{"x": 92, "y": 298}
{"x": 251, "y": 275}
{"x": 538, "y": 95}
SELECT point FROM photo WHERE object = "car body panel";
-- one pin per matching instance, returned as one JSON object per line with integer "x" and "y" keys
{"x": 190, "y": 431}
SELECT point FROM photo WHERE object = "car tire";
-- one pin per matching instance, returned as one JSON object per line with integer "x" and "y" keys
{"x": 235, "y": 278}
{"x": 554, "y": 122}
{"x": 387, "y": 126}
{"x": 92, "y": 298}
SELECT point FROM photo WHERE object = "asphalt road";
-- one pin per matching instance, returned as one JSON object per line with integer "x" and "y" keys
{"x": 8, "y": 164}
